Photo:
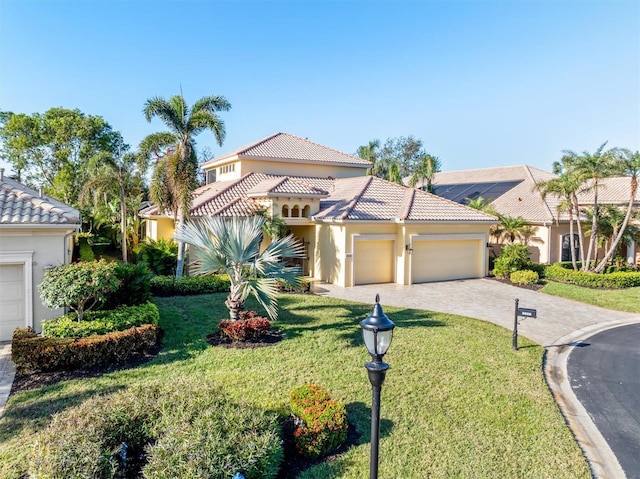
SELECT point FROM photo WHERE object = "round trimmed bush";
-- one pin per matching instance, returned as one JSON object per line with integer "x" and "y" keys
{"x": 524, "y": 277}
{"x": 170, "y": 429}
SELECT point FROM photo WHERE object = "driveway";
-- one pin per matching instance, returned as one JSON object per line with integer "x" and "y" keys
{"x": 487, "y": 300}
{"x": 561, "y": 326}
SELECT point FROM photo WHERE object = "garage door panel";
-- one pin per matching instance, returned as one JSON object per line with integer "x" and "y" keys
{"x": 442, "y": 260}
{"x": 374, "y": 262}
{"x": 12, "y": 300}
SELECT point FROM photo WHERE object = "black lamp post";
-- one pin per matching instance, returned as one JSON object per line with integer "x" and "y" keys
{"x": 377, "y": 331}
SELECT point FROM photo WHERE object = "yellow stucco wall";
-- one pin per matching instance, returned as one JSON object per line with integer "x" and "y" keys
{"x": 159, "y": 228}
{"x": 242, "y": 167}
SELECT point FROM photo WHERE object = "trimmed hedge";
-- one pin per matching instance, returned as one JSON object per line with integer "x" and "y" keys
{"x": 184, "y": 429}
{"x": 249, "y": 326}
{"x": 303, "y": 287}
{"x": 169, "y": 286}
{"x": 524, "y": 277}
{"x": 31, "y": 352}
{"x": 618, "y": 280}
{"x": 321, "y": 422}
{"x": 101, "y": 322}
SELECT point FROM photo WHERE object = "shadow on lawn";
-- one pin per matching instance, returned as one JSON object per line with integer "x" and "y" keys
{"x": 298, "y": 318}
{"x": 38, "y": 405}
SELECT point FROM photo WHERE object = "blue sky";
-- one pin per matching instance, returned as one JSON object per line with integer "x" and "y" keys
{"x": 481, "y": 83}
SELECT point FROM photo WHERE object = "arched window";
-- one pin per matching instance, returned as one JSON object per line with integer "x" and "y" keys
{"x": 306, "y": 211}
{"x": 295, "y": 212}
{"x": 566, "y": 247}
{"x": 285, "y": 211}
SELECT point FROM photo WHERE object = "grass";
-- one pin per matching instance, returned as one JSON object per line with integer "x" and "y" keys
{"x": 457, "y": 403}
{"x": 617, "y": 299}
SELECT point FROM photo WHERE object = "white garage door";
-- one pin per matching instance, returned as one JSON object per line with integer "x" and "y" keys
{"x": 12, "y": 300}
{"x": 442, "y": 260}
{"x": 374, "y": 262}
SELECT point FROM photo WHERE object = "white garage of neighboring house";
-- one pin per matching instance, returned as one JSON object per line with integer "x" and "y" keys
{"x": 36, "y": 232}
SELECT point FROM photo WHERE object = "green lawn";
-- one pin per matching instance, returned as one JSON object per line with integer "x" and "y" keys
{"x": 457, "y": 403}
{"x": 616, "y": 299}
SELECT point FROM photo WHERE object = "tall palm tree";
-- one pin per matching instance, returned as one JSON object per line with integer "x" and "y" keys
{"x": 175, "y": 173}
{"x": 565, "y": 187}
{"x": 393, "y": 174}
{"x": 114, "y": 178}
{"x": 481, "y": 204}
{"x": 232, "y": 246}
{"x": 630, "y": 163}
{"x": 592, "y": 168}
{"x": 425, "y": 172}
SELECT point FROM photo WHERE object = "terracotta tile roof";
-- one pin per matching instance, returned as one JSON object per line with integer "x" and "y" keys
{"x": 520, "y": 200}
{"x": 611, "y": 191}
{"x": 373, "y": 199}
{"x": 285, "y": 185}
{"x": 21, "y": 205}
{"x": 285, "y": 146}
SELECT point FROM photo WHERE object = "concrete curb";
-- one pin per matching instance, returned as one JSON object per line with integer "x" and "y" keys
{"x": 601, "y": 459}
{"x": 7, "y": 373}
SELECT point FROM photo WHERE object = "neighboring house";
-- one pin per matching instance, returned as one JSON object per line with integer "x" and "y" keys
{"x": 511, "y": 192}
{"x": 356, "y": 229}
{"x": 36, "y": 232}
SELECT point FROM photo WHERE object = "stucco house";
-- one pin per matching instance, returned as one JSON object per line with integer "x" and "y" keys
{"x": 511, "y": 191}
{"x": 357, "y": 229}
{"x": 36, "y": 232}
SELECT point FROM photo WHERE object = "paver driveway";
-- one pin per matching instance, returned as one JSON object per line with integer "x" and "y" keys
{"x": 488, "y": 300}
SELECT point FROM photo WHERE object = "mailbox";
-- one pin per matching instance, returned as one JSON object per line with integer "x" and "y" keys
{"x": 527, "y": 312}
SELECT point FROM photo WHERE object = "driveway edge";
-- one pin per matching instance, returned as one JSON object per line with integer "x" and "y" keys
{"x": 601, "y": 459}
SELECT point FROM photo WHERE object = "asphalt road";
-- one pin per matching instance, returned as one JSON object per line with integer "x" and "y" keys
{"x": 604, "y": 373}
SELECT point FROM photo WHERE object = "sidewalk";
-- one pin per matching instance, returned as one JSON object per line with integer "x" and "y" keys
{"x": 7, "y": 373}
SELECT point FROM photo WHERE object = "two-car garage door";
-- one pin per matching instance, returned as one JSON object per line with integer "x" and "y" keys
{"x": 12, "y": 299}
{"x": 446, "y": 259}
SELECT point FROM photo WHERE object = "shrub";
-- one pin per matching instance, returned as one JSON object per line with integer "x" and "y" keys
{"x": 616, "y": 280}
{"x": 101, "y": 322}
{"x": 303, "y": 286}
{"x": 248, "y": 327}
{"x": 184, "y": 429}
{"x": 32, "y": 353}
{"x": 524, "y": 277}
{"x": 169, "y": 286}
{"x": 160, "y": 256}
{"x": 321, "y": 422}
{"x": 513, "y": 257}
{"x": 135, "y": 286}
{"x": 80, "y": 286}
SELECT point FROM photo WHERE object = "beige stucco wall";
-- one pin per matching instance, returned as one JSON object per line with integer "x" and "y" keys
{"x": 46, "y": 247}
{"x": 242, "y": 167}
{"x": 335, "y": 244}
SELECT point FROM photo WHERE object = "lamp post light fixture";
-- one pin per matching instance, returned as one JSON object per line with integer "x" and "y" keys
{"x": 377, "y": 331}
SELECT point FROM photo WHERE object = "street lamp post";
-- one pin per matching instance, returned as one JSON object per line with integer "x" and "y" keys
{"x": 377, "y": 331}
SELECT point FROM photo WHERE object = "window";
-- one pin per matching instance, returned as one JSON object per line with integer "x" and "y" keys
{"x": 306, "y": 211}
{"x": 285, "y": 211}
{"x": 227, "y": 168}
{"x": 295, "y": 211}
{"x": 211, "y": 176}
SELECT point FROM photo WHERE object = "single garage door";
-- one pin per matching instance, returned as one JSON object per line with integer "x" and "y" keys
{"x": 12, "y": 300}
{"x": 374, "y": 262}
{"x": 442, "y": 260}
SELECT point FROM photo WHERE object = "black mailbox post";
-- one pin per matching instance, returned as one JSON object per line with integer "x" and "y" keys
{"x": 525, "y": 313}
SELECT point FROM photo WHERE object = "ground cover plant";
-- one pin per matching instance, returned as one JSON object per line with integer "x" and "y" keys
{"x": 627, "y": 299}
{"x": 458, "y": 402}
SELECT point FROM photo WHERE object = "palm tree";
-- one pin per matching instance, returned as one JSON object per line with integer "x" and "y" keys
{"x": 630, "y": 162}
{"x": 565, "y": 187}
{"x": 369, "y": 152}
{"x": 425, "y": 172}
{"x": 232, "y": 246}
{"x": 481, "y": 204}
{"x": 592, "y": 168}
{"x": 393, "y": 174}
{"x": 512, "y": 228}
{"x": 174, "y": 176}
{"x": 118, "y": 178}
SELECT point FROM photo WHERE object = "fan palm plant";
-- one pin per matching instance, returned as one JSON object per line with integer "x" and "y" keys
{"x": 232, "y": 246}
